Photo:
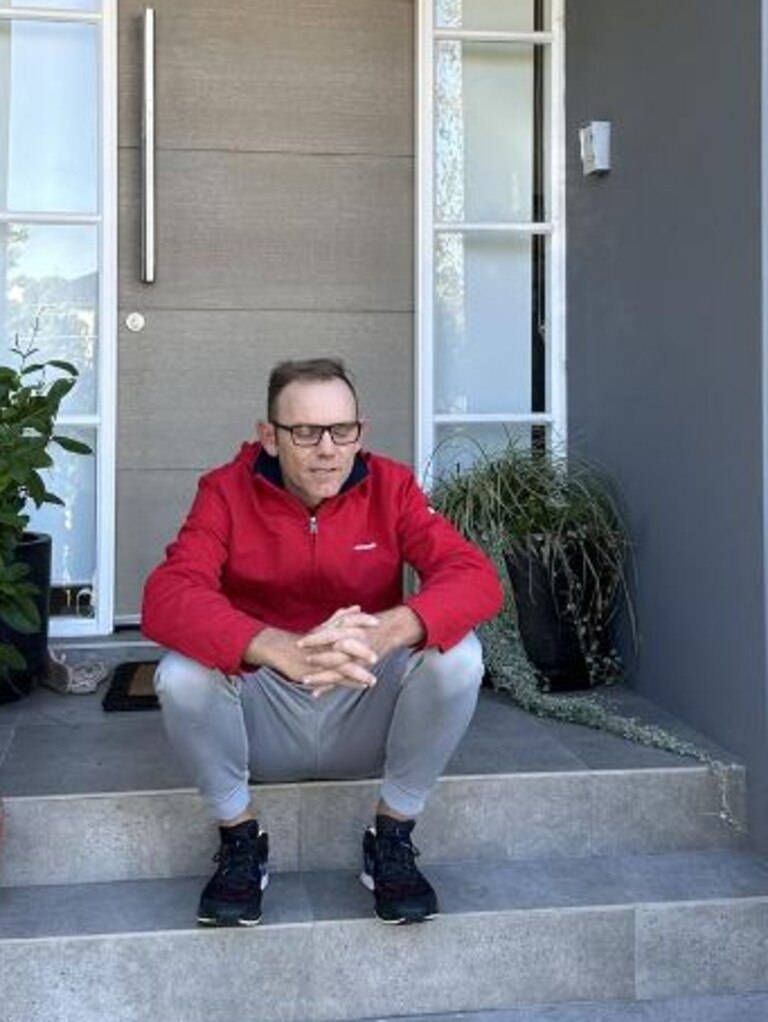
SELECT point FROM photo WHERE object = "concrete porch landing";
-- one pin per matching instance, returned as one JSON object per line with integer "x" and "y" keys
{"x": 54, "y": 744}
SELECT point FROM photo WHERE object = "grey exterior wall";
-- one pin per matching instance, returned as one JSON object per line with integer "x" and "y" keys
{"x": 665, "y": 340}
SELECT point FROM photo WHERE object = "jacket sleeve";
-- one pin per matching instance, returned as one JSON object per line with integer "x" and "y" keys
{"x": 184, "y": 608}
{"x": 459, "y": 586}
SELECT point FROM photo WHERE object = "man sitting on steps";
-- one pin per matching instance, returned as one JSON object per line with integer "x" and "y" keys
{"x": 293, "y": 653}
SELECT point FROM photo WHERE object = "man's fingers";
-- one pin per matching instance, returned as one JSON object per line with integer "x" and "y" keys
{"x": 349, "y": 673}
{"x": 339, "y": 614}
{"x": 359, "y": 619}
{"x": 340, "y": 652}
{"x": 321, "y": 690}
{"x": 333, "y": 635}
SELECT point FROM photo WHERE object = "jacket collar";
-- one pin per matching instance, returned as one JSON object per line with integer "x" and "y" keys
{"x": 268, "y": 467}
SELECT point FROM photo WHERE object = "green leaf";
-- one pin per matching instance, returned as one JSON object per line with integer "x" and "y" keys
{"x": 21, "y": 619}
{"x": 74, "y": 446}
{"x": 59, "y": 390}
{"x": 13, "y": 520}
{"x": 36, "y": 488}
{"x": 66, "y": 366}
{"x": 10, "y": 657}
{"x": 17, "y": 571}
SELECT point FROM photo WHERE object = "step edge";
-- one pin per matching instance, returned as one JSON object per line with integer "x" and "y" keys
{"x": 587, "y": 774}
{"x": 220, "y": 933}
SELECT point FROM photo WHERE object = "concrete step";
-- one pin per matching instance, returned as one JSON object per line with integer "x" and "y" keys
{"x": 725, "y": 1008}
{"x": 58, "y": 839}
{"x": 511, "y": 934}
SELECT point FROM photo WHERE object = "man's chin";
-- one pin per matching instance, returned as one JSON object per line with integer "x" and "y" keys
{"x": 324, "y": 490}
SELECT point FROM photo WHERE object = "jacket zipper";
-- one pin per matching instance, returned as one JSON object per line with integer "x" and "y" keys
{"x": 313, "y": 527}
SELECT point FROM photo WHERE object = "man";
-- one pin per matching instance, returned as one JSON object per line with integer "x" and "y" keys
{"x": 295, "y": 655}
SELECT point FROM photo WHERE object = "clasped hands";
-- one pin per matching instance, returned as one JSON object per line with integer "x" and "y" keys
{"x": 340, "y": 651}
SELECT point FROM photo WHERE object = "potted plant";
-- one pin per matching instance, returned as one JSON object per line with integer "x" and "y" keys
{"x": 554, "y": 523}
{"x": 31, "y": 393}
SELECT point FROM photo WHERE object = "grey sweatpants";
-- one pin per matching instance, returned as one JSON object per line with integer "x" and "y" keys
{"x": 406, "y": 726}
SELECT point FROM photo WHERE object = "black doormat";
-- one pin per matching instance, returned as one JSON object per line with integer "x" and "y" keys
{"x": 132, "y": 688}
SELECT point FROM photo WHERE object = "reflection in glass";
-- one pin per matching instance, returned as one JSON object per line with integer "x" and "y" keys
{"x": 483, "y": 294}
{"x": 48, "y": 117}
{"x": 458, "y": 446}
{"x": 51, "y": 290}
{"x": 73, "y": 527}
{"x": 484, "y": 130}
{"x": 485, "y": 15}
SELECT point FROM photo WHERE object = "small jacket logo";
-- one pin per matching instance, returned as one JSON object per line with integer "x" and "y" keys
{"x": 365, "y": 546}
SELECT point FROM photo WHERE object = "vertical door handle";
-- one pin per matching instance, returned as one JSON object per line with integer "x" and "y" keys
{"x": 148, "y": 151}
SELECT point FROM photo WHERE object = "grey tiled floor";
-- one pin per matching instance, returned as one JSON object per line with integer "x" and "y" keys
{"x": 52, "y": 744}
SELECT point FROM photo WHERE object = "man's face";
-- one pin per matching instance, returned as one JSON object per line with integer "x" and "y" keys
{"x": 313, "y": 474}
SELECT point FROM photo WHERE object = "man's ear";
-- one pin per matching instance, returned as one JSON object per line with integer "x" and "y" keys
{"x": 365, "y": 425}
{"x": 267, "y": 434}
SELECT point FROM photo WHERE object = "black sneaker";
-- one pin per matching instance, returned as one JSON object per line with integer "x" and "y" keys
{"x": 402, "y": 894}
{"x": 232, "y": 897}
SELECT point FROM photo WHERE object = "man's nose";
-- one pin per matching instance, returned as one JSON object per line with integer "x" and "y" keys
{"x": 326, "y": 445}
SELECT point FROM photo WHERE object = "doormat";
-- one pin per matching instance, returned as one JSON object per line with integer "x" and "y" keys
{"x": 132, "y": 688}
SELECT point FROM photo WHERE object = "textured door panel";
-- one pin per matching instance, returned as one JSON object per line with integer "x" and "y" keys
{"x": 247, "y": 230}
{"x": 333, "y": 76}
{"x": 285, "y": 227}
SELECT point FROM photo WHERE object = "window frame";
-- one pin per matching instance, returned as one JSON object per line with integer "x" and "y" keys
{"x": 103, "y": 421}
{"x": 553, "y": 229}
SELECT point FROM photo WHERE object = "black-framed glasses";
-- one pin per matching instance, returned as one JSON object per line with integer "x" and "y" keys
{"x": 308, "y": 435}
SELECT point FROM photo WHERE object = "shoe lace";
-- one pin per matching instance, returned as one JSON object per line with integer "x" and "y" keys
{"x": 239, "y": 861}
{"x": 397, "y": 862}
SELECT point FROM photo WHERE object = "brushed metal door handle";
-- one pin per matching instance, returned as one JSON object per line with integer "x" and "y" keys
{"x": 148, "y": 254}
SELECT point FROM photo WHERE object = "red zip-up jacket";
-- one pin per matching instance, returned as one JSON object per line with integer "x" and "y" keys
{"x": 250, "y": 554}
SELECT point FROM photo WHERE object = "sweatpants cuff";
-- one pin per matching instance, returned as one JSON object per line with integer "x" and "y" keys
{"x": 403, "y": 802}
{"x": 231, "y": 806}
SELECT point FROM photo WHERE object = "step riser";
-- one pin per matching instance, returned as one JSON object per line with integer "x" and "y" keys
{"x": 79, "y": 839}
{"x": 355, "y": 969}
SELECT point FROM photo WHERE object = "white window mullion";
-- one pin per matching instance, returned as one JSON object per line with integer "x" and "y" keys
{"x": 502, "y": 227}
{"x": 424, "y": 375}
{"x": 522, "y": 418}
{"x": 49, "y": 14}
{"x": 108, "y": 299}
{"x": 556, "y": 261}
{"x": 54, "y": 219}
{"x": 469, "y": 35}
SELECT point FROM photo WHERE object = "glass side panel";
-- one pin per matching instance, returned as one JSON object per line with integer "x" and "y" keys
{"x": 48, "y": 117}
{"x": 458, "y": 446}
{"x": 73, "y": 527}
{"x": 486, "y": 15}
{"x": 483, "y": 310}
{"x": 50, "y": 300}
{"x": 484, "y": 131}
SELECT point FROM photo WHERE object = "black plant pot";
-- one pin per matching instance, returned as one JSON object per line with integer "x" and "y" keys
{"x": 547, "y": 630}
{"x": 34, "y": 550}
